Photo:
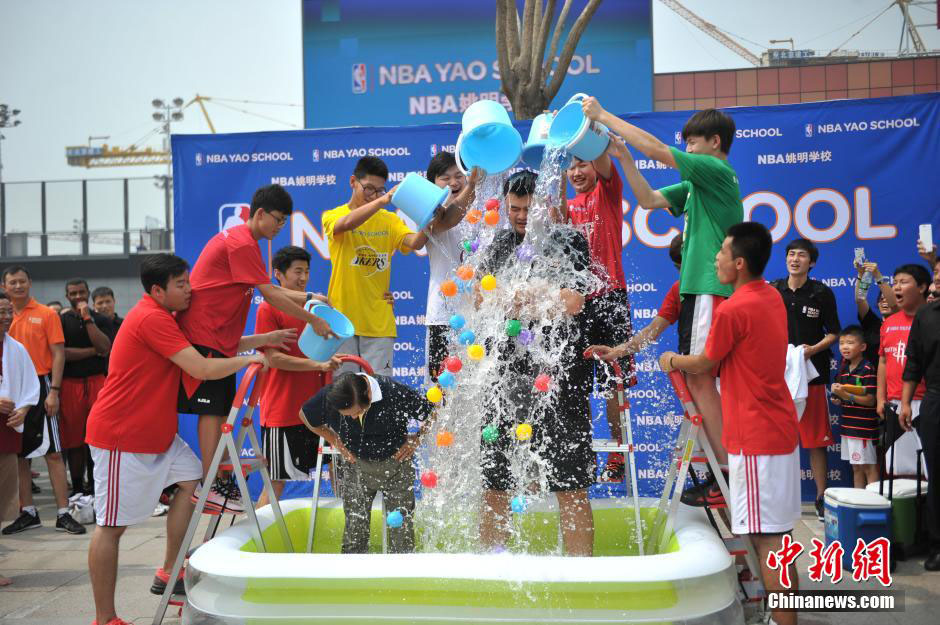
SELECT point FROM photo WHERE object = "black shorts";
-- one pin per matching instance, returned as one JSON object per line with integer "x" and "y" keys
{"x": 436, "y": 349}
{"x": 212, "y": 397}
{"x": 606, "y": 321}
{"x": 291, "y": 451}
{"x": 695, "y": 321}
{"x": 560, "y": 447}
{"x": 40, "y": 431}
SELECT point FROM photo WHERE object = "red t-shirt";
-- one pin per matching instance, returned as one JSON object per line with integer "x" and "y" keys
{"x": 285, "y": 391}
{"x": 749, "y": 337}
{"x": 893, "y": 348}
{"x": 669, "y": 309}
{"x": 599, "y": 215}
{"x": 223, "y": 279}
{"x": 136, "y": 409}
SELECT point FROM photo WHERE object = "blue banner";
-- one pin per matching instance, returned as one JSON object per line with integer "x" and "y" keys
{"x": 442, "y": 58}
{"x": 846, "y": 174}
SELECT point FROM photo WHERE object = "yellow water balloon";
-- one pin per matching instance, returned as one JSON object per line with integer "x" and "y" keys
{"x": 488, "y": 282}
{"x": 523, "y": 431}
{"x": 476, "y": 352}
{"x": 434, "y": 395}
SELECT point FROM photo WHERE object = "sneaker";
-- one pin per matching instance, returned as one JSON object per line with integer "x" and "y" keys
{"x": 614, "y": 469}
{"x": 36, "y": 490}
{"x": 114, "y": 621}
{"x": 160, "y": 509}
{"x": 707, "y": 493}
{"x": 65, "y": 523}
{"x": 25, "y": 521}
{"x": 161, "y": 579}
{"x": 820, "y": 510}
{"x": 223, "y": 497}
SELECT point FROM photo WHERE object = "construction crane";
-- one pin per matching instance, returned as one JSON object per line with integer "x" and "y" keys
{"x": 713, "y": 31}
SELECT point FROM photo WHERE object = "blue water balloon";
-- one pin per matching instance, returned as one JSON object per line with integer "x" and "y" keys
{"x": 394, "y": 519}
{"x": 467, "y": 337}
{"x": 457, "y": 322}
{"x": 446, "y": 379}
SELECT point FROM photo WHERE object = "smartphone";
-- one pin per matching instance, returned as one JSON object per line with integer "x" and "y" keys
{"x": 926, "y": 236}
{"x": 859, "y": 256}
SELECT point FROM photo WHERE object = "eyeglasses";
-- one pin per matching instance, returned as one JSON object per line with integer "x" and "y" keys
{"x": 280, "y": 221}
{"x": 369, "y": 191}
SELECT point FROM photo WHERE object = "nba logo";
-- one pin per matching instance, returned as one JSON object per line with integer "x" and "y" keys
{"x": 678, "y": 137}
{"x": 232, "y": 215}
{"x": 809, "y": 130}
{"x": 316, "y": 156}
{"x": 198, "y": 159}
{"x": 359, "y": 83}
{"x": 433, "y": 149}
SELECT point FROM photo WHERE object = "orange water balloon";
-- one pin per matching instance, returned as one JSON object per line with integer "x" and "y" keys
{"x": 474, "y": 216}
{"x": 465, "y": 272}
{"x": 448, "y": 288}
{"x": 445, "y": 439}
{"x": 492, "y": 218}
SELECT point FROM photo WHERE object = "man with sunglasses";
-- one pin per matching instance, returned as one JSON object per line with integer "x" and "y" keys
{"x": 223, "y": 280}
{"x": 362, "y": 236}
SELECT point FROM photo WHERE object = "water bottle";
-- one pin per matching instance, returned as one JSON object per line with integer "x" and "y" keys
{"x": 865, "y": 281}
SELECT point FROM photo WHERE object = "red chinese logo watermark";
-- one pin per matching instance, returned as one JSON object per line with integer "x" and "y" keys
{"x": 869, "y": 560}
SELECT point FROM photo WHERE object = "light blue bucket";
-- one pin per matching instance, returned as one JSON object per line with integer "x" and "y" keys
{"x": 534, "y": 151}
{"x": 488, "y": 140}
{"x": 577, "y": 134}
{"x": 418, "y": 197}
{"x": 314, "y": 346}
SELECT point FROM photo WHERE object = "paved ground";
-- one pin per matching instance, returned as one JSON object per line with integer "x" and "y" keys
{"x": 51, "y": 583}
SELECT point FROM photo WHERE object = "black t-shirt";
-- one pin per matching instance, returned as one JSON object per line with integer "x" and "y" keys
{"x": 811, "y": 315}
{"x": 77, "y": 336}
{"x": 382, "y": 430}
{"x": 871, "y": 326}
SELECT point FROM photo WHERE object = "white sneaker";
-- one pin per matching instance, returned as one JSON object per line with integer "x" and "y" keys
{"x": 160, "y": 510}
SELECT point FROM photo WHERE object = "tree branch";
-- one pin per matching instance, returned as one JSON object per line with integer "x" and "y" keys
{"x": 529, "y": 12}
{"x": 556, "y": 37}
{"x": 512, "y": 23}
{"x": 570, "y": 44}
{"x": 502, "y": 49}
{"x": 538, "y": 51}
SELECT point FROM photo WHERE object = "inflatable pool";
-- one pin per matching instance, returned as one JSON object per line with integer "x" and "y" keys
{"x": 694, "y": 582}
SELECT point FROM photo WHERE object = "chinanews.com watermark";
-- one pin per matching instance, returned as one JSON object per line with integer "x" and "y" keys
{"x": 837, "y": 601}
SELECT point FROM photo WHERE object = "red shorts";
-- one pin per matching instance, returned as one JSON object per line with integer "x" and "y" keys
{"x": 75, "y": 402}
{"x": 814, "y": 425}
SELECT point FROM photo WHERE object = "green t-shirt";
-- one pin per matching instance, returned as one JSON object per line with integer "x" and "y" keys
{"x": 711, "y": 200}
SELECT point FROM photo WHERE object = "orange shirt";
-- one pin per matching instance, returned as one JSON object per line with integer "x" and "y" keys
{"x": 38, "y": 327}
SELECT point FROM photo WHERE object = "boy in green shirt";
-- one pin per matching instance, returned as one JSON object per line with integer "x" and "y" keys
{"x": 710, "y": 200}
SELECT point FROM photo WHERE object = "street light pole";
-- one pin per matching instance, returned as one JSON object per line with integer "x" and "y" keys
{"x": 165, "y": 113}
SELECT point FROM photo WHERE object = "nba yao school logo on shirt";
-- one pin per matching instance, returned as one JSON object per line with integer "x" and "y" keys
{"x": 369, "y": 260}
{"x": 233, "y": 215}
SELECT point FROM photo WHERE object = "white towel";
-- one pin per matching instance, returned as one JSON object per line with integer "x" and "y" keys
{"x": 19, "y": 381}
{"x": 800, "y": 371}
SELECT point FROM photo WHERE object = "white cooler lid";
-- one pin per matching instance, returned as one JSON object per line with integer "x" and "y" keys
{"x": 856, "y": 498}
{"x": 903, "y": 488}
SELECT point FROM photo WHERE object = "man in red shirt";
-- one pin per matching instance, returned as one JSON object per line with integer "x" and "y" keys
{"x": 597, "y": 211}
{"x": 910, "y": 289}
{"x": 224, "y": 278}
{"x": 132, "y": 428}
{"x": 291, "y": 449}
{"x": 748, "y": 339}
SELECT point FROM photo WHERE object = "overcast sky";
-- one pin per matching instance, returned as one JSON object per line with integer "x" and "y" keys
{"x": 77, "y": 69}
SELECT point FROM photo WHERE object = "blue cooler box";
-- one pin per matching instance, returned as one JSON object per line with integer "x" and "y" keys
{"x": 853, "y": 513}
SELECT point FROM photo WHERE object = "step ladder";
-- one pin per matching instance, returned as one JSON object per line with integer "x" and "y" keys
{"x": 232, "y": 444}
{"x": 685, "y": 455}
{"x": 606, "y": 445}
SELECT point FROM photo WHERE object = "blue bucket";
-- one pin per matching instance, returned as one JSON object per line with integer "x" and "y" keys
{"x": 418, "y": 197}
{"x": 576, "y": 133}
{"x": 314, "y": 346}
{"x": 534, "y": 151}
{"x": 488, "y": 140}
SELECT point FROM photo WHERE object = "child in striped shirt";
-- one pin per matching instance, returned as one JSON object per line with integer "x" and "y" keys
{"x": 854, "y": 389}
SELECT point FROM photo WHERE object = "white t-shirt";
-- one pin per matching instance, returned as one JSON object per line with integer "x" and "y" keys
{"x": 444, "y": 254}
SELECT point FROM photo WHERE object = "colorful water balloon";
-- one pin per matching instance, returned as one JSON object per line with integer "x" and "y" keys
{"x": 457, "y": 322}
{"x": 523, "y": 431}
{"x": 476, "y": 352}
{"x": 474, "y": 216}
{"x": 519, "y": 504}
{"x": 429, "y": 479}
{"x": 446, "y": 379}
{"x": 467, "y": 245}
{"x": 525, "y": 336}
{"x": 453, "y": 364}
{"x": 488, "y": 282}
{"x": 513, "y": 327}
{"x": 474, "y": 245}
{"x": 492, "y": 204}
{"x": 542, "y": 382}
{"x": 394, "y": 519}
{"x": 525, "y": 253}
{"x": 491, "y": 218}
{"x": 465, "y": 272}
{"x": 490, "y": 433}
{"x": 448, "y": 288}
{"x": 434, "y": 395}
{"x": 445, "y": 439}
{"x": 467, "y": 337}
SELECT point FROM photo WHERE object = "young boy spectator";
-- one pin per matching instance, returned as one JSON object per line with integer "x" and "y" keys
{"x": 55, "y": 305}
{"x": 923, "y": 367}
{"x": 910, "y": 289}
{"x": 859, "y": 420}
{"x": 87, "y": 343}
{"x": 569, "y": 467}
{"x": 813, "y": 323}
{"x": 748, "y": 339}
{"x": 362, "y": 236}
{"x": 596, "y": 210}
{"x": 132, "y": 428}
{"x": 224, "y": 279}
{"x": 39, "y": 329}
{"x": 102, "y": 298}
{"x": 365, "y": 418}
{"x": 19, "y": 392}
{"x": 868, "y": 318}
{"x": 709, "y": 200}
{"x": 290, "y": 448}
